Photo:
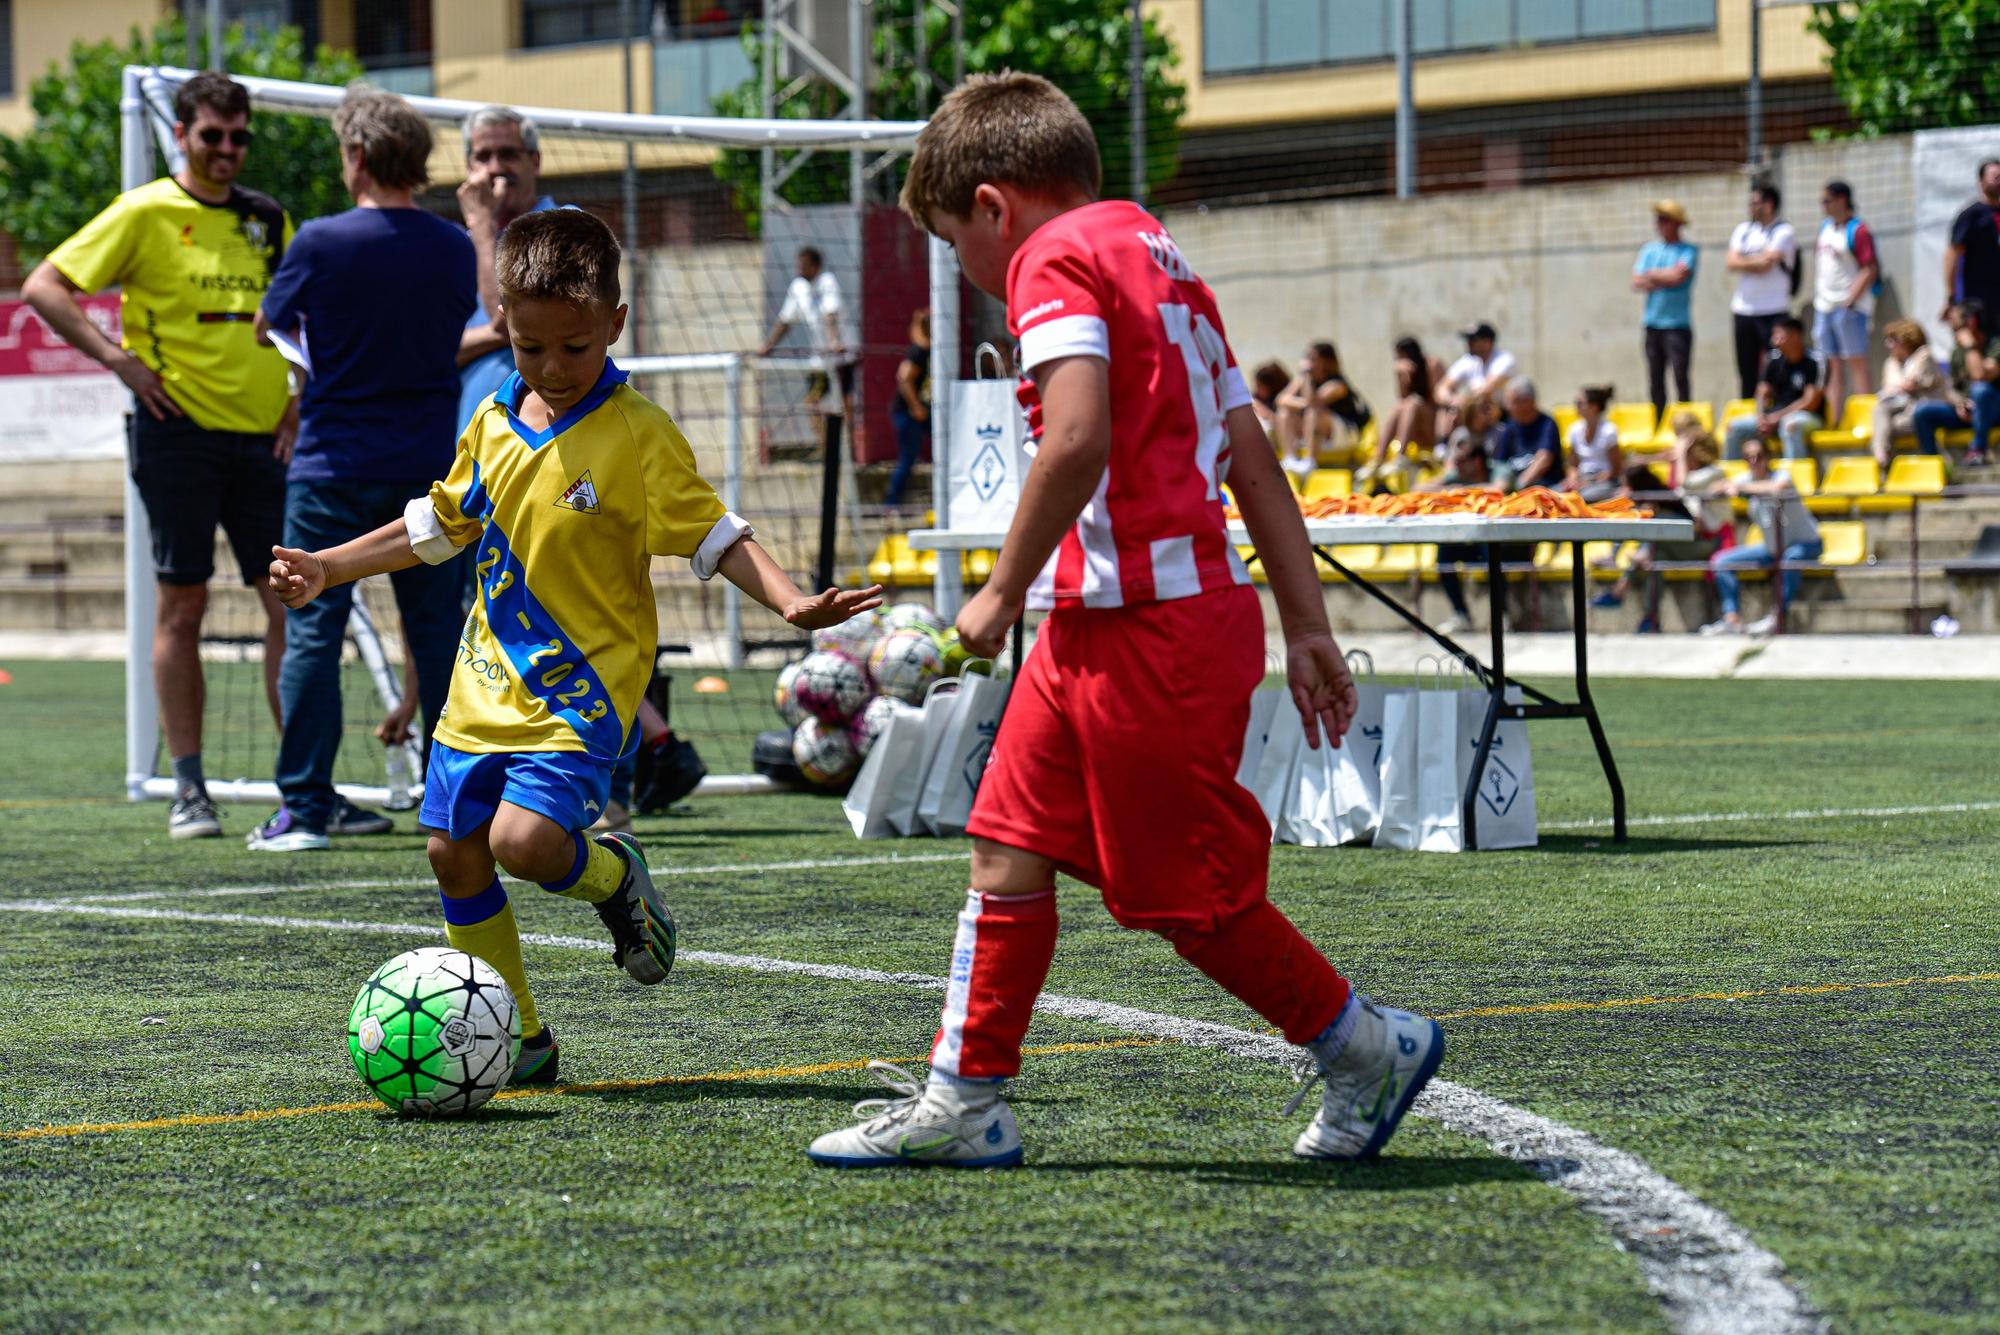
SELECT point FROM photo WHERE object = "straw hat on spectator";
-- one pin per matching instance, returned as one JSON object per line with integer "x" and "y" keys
{"x": 1667, "y": 208}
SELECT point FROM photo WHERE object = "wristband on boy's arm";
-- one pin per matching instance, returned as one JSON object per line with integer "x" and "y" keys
{"x": 728, "y": 531}
{"x": 428, "y": 539}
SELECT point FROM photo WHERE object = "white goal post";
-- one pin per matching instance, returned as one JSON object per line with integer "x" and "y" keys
{"x": 146, "y": 118}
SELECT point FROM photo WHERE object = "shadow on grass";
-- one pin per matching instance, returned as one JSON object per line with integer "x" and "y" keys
{"x": 1416, "y": 1172}
{"x": 1642, "y": 845}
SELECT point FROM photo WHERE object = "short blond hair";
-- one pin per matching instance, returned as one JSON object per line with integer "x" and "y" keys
{"x": 558, "y": 255}
{"x": 394, "y": 141}
{"x": 1905, "y": 331}
{"x": 1000, "y": 129}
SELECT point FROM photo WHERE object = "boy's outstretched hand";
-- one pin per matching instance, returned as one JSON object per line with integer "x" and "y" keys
{"x": 831, "y": 607}
{"x": 296, "y": 577}
{"x": 1321, "y": 687}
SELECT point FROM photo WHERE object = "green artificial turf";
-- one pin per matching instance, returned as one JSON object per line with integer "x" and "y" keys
{"x": 1849, "y": 1132}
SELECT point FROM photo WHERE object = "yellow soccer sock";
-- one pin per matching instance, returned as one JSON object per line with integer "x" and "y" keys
{"x": 596, "y": 875}
{"x": 483, "y": 927}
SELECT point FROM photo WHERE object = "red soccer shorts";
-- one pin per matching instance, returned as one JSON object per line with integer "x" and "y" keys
{"x": 1117, "y": 758}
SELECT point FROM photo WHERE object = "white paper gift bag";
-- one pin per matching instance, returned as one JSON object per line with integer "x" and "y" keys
{"x": 883, "y": 800}
{"x": 1505, "y": 808}
{"x": 1396, "y": 824}
{"x": 1275, "y": 777}
{"x": 987, "y": 456}
{"x": 938, "y": 703}
{"x": 1335, "y": 800}
{"x": 969, "y": 730}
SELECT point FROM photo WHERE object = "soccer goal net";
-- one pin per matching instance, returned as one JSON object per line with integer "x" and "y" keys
{"x": 706, "y": 284}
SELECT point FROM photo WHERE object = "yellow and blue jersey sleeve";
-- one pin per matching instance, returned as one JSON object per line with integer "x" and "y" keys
{"x": 681, "y": 508}
{"x": 459, "y": 498}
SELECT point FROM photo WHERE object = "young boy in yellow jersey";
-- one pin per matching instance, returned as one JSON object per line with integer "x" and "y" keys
{"x": 567, "y": 483}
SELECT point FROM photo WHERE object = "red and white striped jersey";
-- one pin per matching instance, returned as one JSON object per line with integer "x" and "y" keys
{"x": 1107, "y": 281}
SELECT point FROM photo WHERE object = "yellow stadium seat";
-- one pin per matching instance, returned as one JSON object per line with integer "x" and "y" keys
{"x": 1848, "y": 478}
{"x": 1337, "y": 453}
{"x": 1916, "y": 475}
{"x": 1733, "y": 409}
{"x": 1857, "y": 418}
{"x": 1634, "y": 422}
{"x": 1804, "y": 473}
{"x": 1565, "y": 418}
{"x": 1362, "y": 560}
{"x": 1556, "y": 560}
{"x": 882, "y": 565}
{"x": 1400, "y": 561}
{"x": 1663, "y": 439}
{"x": 1846, "y": 543}
{"x": 1734, "y": 469}
{"x": 978, "y": 566}
{"x": 1328, "y": 482}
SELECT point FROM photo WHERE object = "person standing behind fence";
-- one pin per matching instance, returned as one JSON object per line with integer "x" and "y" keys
{"x": 503, "y": 175}
{"x": 1846, "y": 271}
{"x": 378, "y": 424}
{"x": 214, "y": 418}
{"x": 814, "y": 300}
{"x": 1764, "y": 256}
{"x": 1665, "y": 272}
{"x": 911, "y": 412}
{"x": 1972, "y": 259}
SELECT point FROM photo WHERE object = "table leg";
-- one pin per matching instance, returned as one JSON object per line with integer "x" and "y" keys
{"x": 1579, "y": 630}
{"x": 1496, "y": 695}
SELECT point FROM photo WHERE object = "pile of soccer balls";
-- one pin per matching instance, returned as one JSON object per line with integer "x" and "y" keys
{"x": 836, "y": 699}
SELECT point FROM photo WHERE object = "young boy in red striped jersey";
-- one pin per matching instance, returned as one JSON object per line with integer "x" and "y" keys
{"x": 1116, "y": 761}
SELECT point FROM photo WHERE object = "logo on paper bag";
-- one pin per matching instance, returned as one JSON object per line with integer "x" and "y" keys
{"x": 989, "y": 466}
{"x": 975, "y": 759}
{"x": 1499, "y": 786}
{"x": 1374, "y": 735}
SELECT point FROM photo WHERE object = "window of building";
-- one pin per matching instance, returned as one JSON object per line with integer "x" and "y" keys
{"x": 561, "y": 22}
{"x": 1248, "y": 36}
{"x": 6, "y": 48}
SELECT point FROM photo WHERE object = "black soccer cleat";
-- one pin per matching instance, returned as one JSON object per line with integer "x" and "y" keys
{"x": 642, "y": 928}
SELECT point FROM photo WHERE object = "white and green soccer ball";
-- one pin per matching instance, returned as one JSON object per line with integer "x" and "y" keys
{"x": 906, "y": 663}
{"x": 912, "y": 616}
{"x": 824, "y": 752}
{"x": 434, "y": 1032}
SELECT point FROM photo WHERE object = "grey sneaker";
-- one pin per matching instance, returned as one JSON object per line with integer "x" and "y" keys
{"x": 920, "y": 1126}
{"x": 1387, "y": 1062}
{"x": 192, "y": 816}
{"x": 283, "y": 834}
{"x": 350, "y": 819}
{"x": 642, "y": 927}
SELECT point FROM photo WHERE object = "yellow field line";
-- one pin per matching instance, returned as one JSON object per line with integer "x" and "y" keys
{"x": 590, "y": 1087}
{"x": 1800, "y": 990}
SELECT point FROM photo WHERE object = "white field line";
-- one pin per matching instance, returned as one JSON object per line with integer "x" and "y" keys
{"x": 1706, "y": 1272}
{"x": 411, "y": 882}
{"x": 1804, "y": 813}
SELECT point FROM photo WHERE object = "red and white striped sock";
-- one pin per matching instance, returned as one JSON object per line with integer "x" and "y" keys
{"x": 998, "y": 966}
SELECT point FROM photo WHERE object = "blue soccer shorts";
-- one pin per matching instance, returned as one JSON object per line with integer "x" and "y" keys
{"x": 462, "y": 789}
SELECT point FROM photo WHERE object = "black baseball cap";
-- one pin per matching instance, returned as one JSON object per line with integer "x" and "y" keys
{"x": 1479, "y": 330}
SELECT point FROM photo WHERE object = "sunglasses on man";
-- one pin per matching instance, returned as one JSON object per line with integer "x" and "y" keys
{"x": 214, "y": 137}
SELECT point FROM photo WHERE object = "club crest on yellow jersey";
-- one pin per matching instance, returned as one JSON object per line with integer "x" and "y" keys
{"x": 581, "y": 496}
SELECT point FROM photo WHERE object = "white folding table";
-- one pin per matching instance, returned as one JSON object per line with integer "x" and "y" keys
{"x": 1480, "y": 530}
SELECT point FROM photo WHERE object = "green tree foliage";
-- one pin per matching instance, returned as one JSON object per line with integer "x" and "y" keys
{"x": 1082, "y": 46}
{"x": 1904, "y": 65}
{"x": 58, "y": 175}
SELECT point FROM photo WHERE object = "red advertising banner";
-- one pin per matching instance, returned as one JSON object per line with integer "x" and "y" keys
{"x": 56, "y": 403}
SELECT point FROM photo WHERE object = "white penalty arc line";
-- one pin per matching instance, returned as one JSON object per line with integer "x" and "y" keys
{"x": 1804, "y": 813}
{"x": 1706, "y": 1272}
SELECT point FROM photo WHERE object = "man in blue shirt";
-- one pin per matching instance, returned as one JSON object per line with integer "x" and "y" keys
{"x": 378, "y": 420}
{"x": 1665, "y": 273}
{"x": 503, "y": 171}
{"x": 1529, "y": 451}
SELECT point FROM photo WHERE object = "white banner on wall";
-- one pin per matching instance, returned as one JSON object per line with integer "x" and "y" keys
{"x": 56, "y": 403}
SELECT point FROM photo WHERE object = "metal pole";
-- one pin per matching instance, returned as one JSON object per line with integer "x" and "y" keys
{"x": 768, "y": 156}
{"x": 1406, "y": 105}
{"x": 1756, "y": 86}
{"x": 857, "y": 106}
{"x": 1138, "y": 101}
{"x": 215, "y": 34}
{"x": 142, "y": 719}
{"x": 190, "y": 26}
{"x": 631, "y": 187}
{"x": 948, "y": 586}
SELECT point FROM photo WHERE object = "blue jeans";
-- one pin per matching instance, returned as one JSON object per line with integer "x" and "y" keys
{"x": 1929, "y": 418}
{"x": 1757, "y": 555}
{"x": 322, "y": 514}
{"x": 1795, "y": 430}
{"x": 912, "y": 439}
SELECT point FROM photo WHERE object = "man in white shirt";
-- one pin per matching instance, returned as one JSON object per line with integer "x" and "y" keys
{"x": 1764, "y": 256}
{"x": 1845, "y": 270}
{"x": 1482, "y": 370}
{"x": 814, "y": 302}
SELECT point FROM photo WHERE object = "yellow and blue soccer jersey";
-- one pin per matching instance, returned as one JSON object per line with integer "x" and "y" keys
{"x": 563, "y": 525}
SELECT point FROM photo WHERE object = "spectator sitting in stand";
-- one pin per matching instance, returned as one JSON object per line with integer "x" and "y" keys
{"x": 1482, "y": 370}
{"x": 1318, "y": 402}
{"x": 1776, "y": 509}
{"x": 1909, "y": 377}
{"x": 1974, "y": 396}
{"x": 1595, "y": 462}
{"x": 1267, "y": 383}
{"x": 1791, "y": 397}
{"x": 1530, "y": 449}
{"x": 1649, "y": 489}
{"x": 1470, "y": 465}
{"x": 1411, "y": 424}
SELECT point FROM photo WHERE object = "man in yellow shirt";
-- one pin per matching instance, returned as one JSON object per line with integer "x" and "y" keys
{"x": 214, "y": 418}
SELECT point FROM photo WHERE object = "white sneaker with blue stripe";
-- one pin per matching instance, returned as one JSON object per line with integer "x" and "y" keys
{"x": 922, "y": 1125}
{"x": 1389, "y": 1058}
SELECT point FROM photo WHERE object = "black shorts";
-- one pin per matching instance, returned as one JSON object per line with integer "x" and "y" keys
{"x": 817, "y": 385}
{"x": 192, "y": 479}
